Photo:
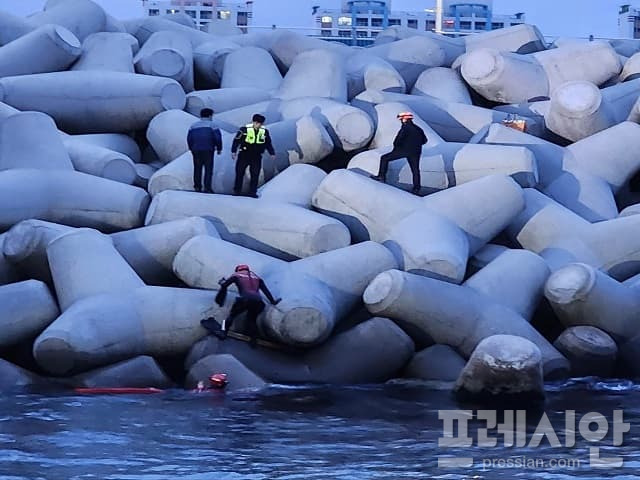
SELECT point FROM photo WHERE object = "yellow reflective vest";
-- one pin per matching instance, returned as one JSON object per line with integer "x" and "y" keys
{"x": 251, "y": 136}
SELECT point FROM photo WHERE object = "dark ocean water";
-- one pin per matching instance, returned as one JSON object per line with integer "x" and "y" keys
{"x": 385, "y": 432}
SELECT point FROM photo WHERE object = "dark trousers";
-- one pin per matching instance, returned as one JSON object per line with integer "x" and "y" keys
{"x": 202, "y": 159}
{"x": 253, "y": 307}
{"x": 412, "y": 157}
{"x": 254, "y": 162}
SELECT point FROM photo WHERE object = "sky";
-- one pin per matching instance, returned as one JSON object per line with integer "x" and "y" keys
{"x": 577, "y": 18}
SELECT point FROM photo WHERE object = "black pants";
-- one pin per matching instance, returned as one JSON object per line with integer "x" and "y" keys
{"x": 253, "y": 307}
{"x": 202, "y": 159}
{"x": 412, "y": 157}
{"x": 254, "y": 162}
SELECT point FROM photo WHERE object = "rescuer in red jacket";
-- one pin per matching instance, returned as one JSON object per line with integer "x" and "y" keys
{"x": 249, "y": 286}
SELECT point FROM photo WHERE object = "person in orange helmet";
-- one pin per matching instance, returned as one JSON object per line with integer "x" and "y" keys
{"x": 407, "y": 144}
{"x": 249, "y": 286}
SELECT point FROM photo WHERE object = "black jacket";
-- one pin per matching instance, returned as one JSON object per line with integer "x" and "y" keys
{"x": 410, "y": 138}
{"x": 254, "y": 149}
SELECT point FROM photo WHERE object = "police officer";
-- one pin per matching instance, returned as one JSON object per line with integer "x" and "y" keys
{"x": 407, "y": 144}
{"x": 203, "y": 139}
{"x": 252, "y": 140}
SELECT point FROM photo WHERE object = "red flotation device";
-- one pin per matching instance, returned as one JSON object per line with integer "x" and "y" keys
{"x": 118, "y": 390}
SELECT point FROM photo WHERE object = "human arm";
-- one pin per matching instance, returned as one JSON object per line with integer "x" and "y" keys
{"x": 222, "y": 293}
{"x": 400, "y": 136}
{"x": 268, "y": 144}
{"x": 190, "y": 139}
{"x": 217, "y": 140}
{"x": 267, "y": 293}
{"x": 237, "y": 140}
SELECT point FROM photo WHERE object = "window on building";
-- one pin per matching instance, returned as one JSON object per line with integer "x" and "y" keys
{"x": 394, "y": 21}
{"x": 243, "y": 19}
{"x": 344, "y": 33}
{"x": 325, "y": 33}
{"x": 206, "y": 15}
{"x": 465, "y": 25}
{"x": 344, "y": 21}
{"x": 376, "y": 22}
{"x": 327, "y": 19}
{"x": 497, "y": 25}
{"x": 481, "y": 25}
{"x": 362, "y": 22}
{"x": 430, "y": 25}
{"x": 412, "y": 23}
{"x": 514, "y": 24}
{"x": 361, "y": 34}
{"x": 172, "y": 10}
{"x": 374, "y": 34}
{"x": 191, "y": 13}
{"x": 224, "y": 14}
{"x": 153, "y": 12}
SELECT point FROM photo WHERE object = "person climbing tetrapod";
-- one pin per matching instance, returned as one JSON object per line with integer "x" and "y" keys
{"x": 407, "y": 144}
{"x": 249, "y": 300}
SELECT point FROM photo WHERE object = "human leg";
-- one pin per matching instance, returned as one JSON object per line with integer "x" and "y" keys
{"x": 208, "y": 172}
{"x": 384, "y": 164}
{"x": 197, "y": 170}
{"x": 241, "y": 166}
{"x": 254, "y": 169}
{"x": 414, "y": 164}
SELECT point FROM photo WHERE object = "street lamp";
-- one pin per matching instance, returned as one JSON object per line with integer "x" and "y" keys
{"x": 439, "y": 16}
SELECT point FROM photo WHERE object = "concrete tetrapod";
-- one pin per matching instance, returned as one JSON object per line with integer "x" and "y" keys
{"x": 277, "y": 229}
{"x": 576, "y": 176}
{"x": 240, "y": 67}
{"x": 82, "y": 17}
{"x": 224, "y": 99}
{"x": 579, "y": 109}
{"x": 286, "y": 45}
{"x": 118, "y": 142}
{"x": 107, "y": 328}
{"x": 453, "y": 46}
{"x": 108, "y": 51}
{"x": 401, "y": 221}
{"x": 27, "y": 308}
{"x": 583, "y": 295}
{"x": 138, "y": 372}
{"x": 304, "y": 140}
{"x": 443, "y": 83}
{"x": 521, "y": 39}
{"x": 208, "y": 62}
{"x": 449, "y": 164}
{"x": 411, "y": 56}
{"x": 461, "y": 316}
{"x": 631, "y": 69}
{"x": 70, "y": 198}
{"x": 503, "y": 367}
{"x": 562, "y": 237}
{"x": 239, "y": 376}
{"x": 589, "y": 350}
{"x": 12, "y": 27}
{"x": 8, "y": 273}
{"x": 14, "y": 378}
{"x": 31, "y": 140}
{"x": 94, "y": 102}
{"x": 167, "y": 134}
{"x": 366, "y": 71}
{"x": 50, "y": 48}
{"x": 100, "y": 162}
{"x": 143, "y": 31}
{"x": 509, "y": 78}
{"x": 316, "y": 292}
{"x": 385, "y": 116}
{"x": 329, "y": 75}
{"x": 454, "y": 122}
{"x": 372, "y": 351}
{"x": 295, "y": 185}
{"x": 167, "y": 54}
{"x": 438, "y": 362}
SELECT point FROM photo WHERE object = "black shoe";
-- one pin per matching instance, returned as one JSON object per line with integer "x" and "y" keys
{"x": 377, "y": 178}
{"x": 252, "y": 195}
{"x": 197, "y": 189}
{"x": 208, "y": 190}
{"x": 237, "y": 193}
{"x": 253, "y": 343}
{"x": 415, "y": 190}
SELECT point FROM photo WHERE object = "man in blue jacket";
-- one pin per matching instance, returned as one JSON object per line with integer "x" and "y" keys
{"x": 204, "y": 139}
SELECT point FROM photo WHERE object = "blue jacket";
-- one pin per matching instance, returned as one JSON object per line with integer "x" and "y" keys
{"x": 204, "y": 135}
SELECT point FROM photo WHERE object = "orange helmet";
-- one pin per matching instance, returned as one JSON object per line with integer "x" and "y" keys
{"x": 218, "y": 380}
{"x": 242, "y": 267}
{"x": 407, "y": 115}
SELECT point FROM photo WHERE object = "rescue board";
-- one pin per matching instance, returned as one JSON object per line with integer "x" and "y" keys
{"x": 118, "y": 390}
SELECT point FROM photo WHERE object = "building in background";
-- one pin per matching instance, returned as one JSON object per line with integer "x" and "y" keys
{"x": 358, "y": 22}
{"x": 629, "y": 21}
{"x": 204, "y": 12}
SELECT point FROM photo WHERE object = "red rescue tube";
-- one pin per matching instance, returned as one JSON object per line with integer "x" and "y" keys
{"x": 117, "y": 390}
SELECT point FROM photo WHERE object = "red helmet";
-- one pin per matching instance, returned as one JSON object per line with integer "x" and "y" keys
{"x": 218, "y": 380}
{"x": 407, "y": 115}
{"x": 242, "y": 267}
